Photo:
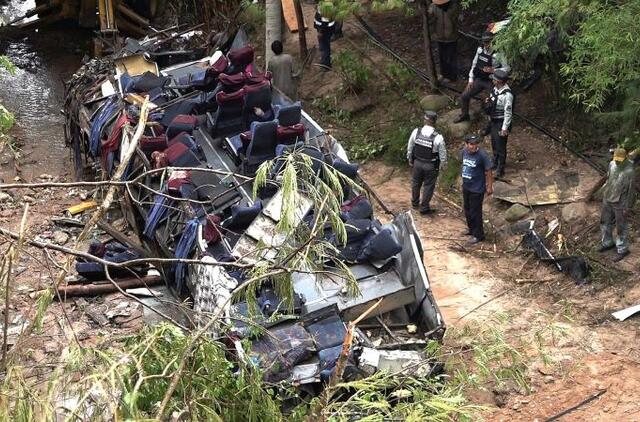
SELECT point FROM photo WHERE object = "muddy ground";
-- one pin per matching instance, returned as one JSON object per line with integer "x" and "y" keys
{"x": 571, "y": 344}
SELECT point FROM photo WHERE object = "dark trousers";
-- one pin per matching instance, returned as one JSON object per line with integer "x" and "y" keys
{"x": 425, "y": 174}
{"x": 499, "y": 147}
{"x": 324, "y": 45}
{"x": 448, "y": 52}
{"x": 478, "y": 86}
{"x": 473, "y": 212}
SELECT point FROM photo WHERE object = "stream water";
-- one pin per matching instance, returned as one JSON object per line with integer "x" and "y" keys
{"x": 44, "y": 59}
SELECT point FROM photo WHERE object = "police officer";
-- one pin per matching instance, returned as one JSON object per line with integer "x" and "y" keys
{"x": 485, "y": 63}
{"x": 477, "y": 179}
{"x": 427, "y": 154}
{"x": 325, "y": 26}
{"x": 499, "y": 107}
{"x": 618, "y": 198}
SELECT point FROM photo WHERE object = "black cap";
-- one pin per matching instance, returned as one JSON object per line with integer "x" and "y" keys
{"x": 487, "y": 36}
{"x": 472, "y": 139}
{"x": 500, "y": 75}
{"x": 431, "y": 115}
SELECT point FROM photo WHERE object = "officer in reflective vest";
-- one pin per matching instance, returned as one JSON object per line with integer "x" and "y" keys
{"x": 499, "y": 106}
{"x": 427, "y": 154}
{"x": 325, "y": 26}
{"x": 485, "y": 63}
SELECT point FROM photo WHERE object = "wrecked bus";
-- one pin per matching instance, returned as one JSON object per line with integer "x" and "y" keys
{"x": 200, "y": 190}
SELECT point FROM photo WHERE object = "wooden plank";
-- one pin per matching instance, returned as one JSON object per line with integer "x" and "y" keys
{"x": 289, "y": 12}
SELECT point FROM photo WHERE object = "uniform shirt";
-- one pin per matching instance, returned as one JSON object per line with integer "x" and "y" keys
{"x": 281, "y": 66}
{"x": 498, "y": 61}
{"x": 474, "y": 167}
{"x": 439, "y": 146}
{"x": 620, "y": 187}
{"x": 504, "y": 102}
{"x": 321, "y": 23}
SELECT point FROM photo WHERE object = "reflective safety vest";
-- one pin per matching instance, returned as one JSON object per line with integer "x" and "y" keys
{"x": 321, "y": 23}
{"x": 424, "y": 147}
{"x": 496, "y": 110}
{"x": 484, "y": 60}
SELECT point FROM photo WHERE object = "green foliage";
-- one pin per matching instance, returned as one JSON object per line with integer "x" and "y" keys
{"x": 449, "y": 177}
{"x": 598, "y": 54}
{"x": 405, "y": 80}
{"x": 355, "y": 74}
{"x": 6, "y": 64}
{"x": 394, "y": 397}
{"x": 252, "y": 16}
{"x": 214, "y": 392}
{"x": 7, "y": 120}
{"x": 493, "y": 358}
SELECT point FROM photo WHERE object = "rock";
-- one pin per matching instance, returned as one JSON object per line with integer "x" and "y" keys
{"x": 574, "y": 212}
{"x": 45, "y": 176}
{"x": 61, "y": 238}
{"x": 51, "y": 347}
{"x": 29, "y": 199}
{"x": 38, "y": 356}
{"x": 434, "y": 102}
{"x": 455, "y": 130}
{"x": 5, "y": 197}
{"x": 516, "y": 212}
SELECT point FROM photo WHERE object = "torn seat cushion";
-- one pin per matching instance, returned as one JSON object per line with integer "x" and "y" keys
{"x": 184, "y": 107}
{"x": 241, "y": 57}
{"x": 357, "y": 231}
{"x": 149, "y": 144}
{"x": 380, "y": 247}
{"x": 186, "y": 139}
{"x": 232, "y": 83}
{"x": 289, "y": 115}
{"x": 258, "y": 78}
{"x": 348, "y": 169}
{"x": 182, "y": 123}
{"x": 149, "y": 81}
{"x": 179, "y": 155}
{"x": 96, "y": 271}
{"x": 290, "y": 134}
{"x": 242, "y": 216}
{"x": 359, "y": 210}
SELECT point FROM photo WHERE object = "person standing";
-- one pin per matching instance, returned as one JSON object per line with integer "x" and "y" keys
{"x": 477, "y": 179}
{"x": 281, "y": 67}
{"x": 325, "y": 27}
{"x": 444, "y": 15}
{"x": 427, "y": 154}
{"x": 499, "y": 107}
{"x": 485, "y": 62}
{"x": 618, "y": 198}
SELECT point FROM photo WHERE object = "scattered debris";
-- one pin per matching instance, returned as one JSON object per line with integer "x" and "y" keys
{"x": 61, "y": 237}
{"x": 101, "y": 288}
{"x": 574, "y": 266}
{"x": 144, "y": 292}
{"x": 82, "y": 207}
{"x": 626, "y": 313}
{"x": 553, "y": 187}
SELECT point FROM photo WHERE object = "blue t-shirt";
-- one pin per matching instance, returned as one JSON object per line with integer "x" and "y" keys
{"x": 474, "y": 167}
